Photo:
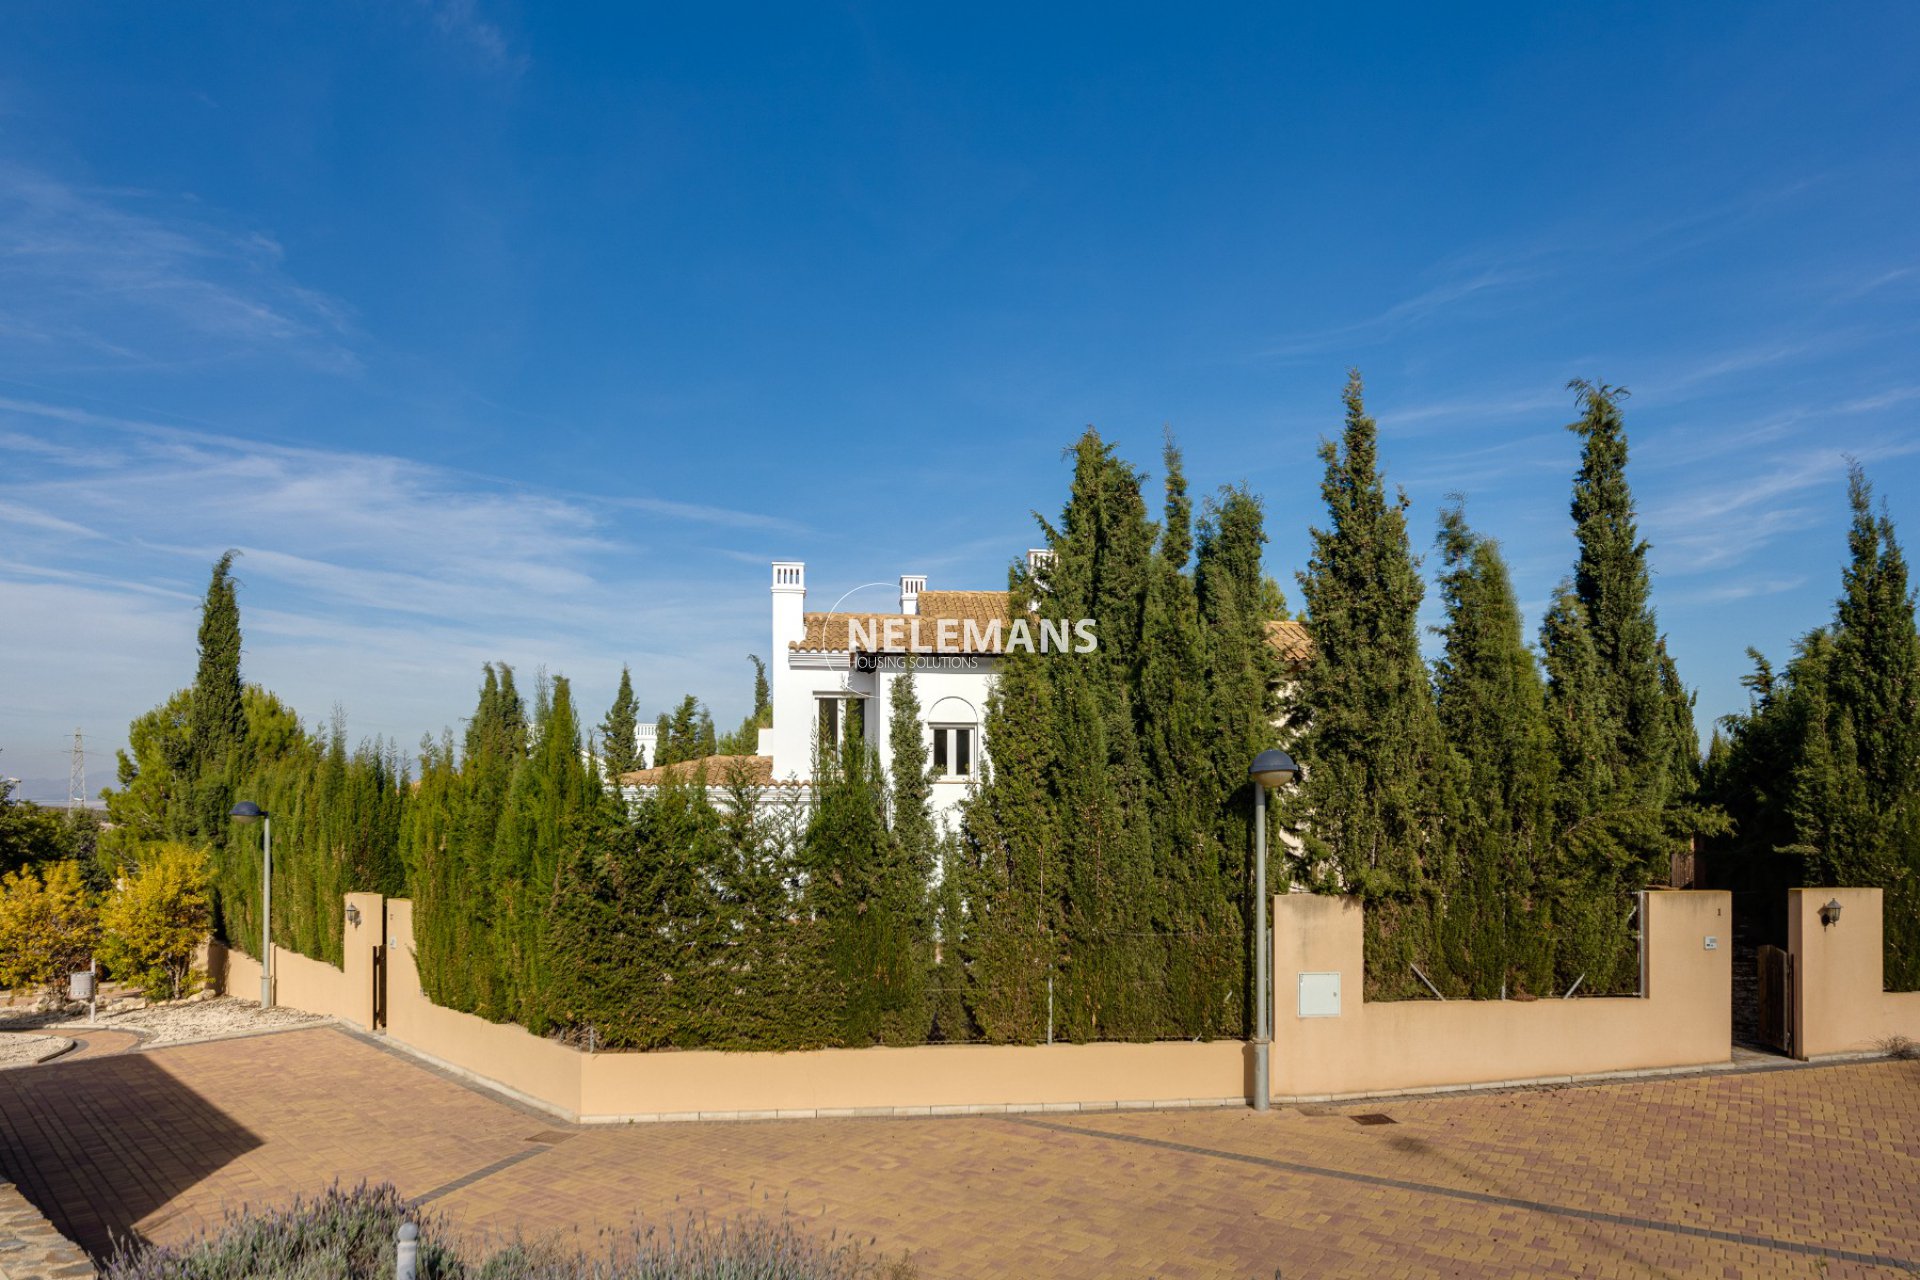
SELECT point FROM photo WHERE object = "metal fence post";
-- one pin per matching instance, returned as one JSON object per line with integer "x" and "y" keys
{"x": 406, "y": 1260}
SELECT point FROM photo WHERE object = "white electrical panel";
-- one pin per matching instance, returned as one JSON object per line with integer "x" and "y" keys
{"x": 1319, "y": 995}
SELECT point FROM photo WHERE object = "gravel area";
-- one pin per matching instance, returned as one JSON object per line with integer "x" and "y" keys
{"x": 18, "y": 1049}
{"x": 167, "y": 1023}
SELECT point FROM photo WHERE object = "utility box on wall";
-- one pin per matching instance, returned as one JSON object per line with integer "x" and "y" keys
{"x": 1319, "y": 995}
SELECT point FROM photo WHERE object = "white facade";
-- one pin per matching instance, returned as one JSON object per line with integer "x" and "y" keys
{"x": 825, "y": 667}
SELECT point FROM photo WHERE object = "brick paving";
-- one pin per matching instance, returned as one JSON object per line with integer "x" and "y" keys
{"x": 1799, "y": 1172}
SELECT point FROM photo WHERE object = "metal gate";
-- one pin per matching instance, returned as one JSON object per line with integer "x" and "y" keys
{"x": 379, "y": 988}
{"x": 1776, "y": 997}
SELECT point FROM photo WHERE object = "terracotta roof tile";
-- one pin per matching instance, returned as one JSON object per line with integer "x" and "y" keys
{"x": 969, "y": 613}
{"x": 830, "y": 632}
{"x": 720, "y": 771}
{"x": 1291, "y": 641}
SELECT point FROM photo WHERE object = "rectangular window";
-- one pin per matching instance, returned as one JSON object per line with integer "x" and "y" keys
{"x": 840, "y": 716}
{"x": 953, "y": 751}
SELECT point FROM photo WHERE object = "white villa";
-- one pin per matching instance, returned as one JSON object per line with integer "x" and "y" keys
{"x": 830, "y": 669}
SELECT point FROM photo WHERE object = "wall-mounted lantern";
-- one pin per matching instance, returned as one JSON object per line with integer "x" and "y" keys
{"x": 1830, "y": 914}
{"x": 353, "y": 914}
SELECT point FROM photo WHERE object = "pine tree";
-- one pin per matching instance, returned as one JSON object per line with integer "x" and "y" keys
{"x": 1373, "y": 804}
{"x": 1492, "y": 708}
{"x": 619, "y": 733}
{"x": 217, "y": 725}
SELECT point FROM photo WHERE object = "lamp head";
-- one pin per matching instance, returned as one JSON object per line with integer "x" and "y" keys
{"x": 247, "y": 811}
{"x": 1273, "y": 768}
{"x": 1830, "y": 914}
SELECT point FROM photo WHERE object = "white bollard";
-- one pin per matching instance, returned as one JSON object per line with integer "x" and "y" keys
{"x": 406, "y": 1261}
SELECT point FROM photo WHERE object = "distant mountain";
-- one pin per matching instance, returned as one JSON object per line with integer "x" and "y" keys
{"x": 52, "y": 792}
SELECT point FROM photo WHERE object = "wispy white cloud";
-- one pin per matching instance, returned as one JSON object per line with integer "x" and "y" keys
{"x": 375, "y": 581}
{"x": 1471, "y": 410}
{"x": 14, "y": 513}
{"x": 1739, "y": 589}
{"x": 460, "y": 21}
{"x": 1437, "y": 299}
{"x": 132, "y": 278}
{"x": 1710, "y": 525}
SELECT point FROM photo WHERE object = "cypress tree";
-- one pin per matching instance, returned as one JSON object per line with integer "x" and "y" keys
{"x": 1194, "y": 908}
{"x": 1492, "y": 708}
{"x": 745, "y": 740}
{"x": 619, "y": 732}
{"x": 1111, "y": 983}
{"x": 1236, "y": 602}
{"x": 949, "y": 992}
{"x": 762, "y": 693}
{"x": 1822, "y": 765}
{"x": 1613, "y": 583}
{"x": 553, "y": 804}
{"x": 1374, "y": 799}
{"x": 686, "y": 734}
{"x": 429, "y": 842}
{"x": 637, "y": 932}
{"x": 1011, "y": 851}
{"x": 495, "y": 747}
{"x": 1628, "y": 752}
{"x": 907, "y": 886}
{"x": 857, "y": 882}
{"x": 217, "y": 724}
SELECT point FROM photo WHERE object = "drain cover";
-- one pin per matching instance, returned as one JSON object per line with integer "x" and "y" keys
{"x": 1375, "y": 1117}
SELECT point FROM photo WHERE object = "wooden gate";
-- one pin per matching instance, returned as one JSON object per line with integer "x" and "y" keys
{"x": 1776, "y": 997}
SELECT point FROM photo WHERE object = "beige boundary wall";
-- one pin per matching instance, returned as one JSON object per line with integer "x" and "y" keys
{"x": 928, "y": 1079}
{"x": 1838, "y": 973}
{"x": 1682, "y": 1020}
{"x": 301, "y": 982}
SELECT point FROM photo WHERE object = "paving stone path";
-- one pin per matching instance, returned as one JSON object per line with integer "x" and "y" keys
{"x": 1790, "y": 1172}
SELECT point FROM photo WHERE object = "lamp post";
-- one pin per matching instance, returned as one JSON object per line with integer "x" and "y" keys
{"x": 1271, "y": 768}
{"x": 248, "y": 811}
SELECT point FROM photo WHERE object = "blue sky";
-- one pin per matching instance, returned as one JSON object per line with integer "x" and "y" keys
{"x": 494, "y": 330}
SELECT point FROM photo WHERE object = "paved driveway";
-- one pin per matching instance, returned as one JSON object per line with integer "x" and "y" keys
{"x": 1798, "y": 1172}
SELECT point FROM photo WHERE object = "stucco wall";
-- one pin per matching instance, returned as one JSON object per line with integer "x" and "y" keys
{"x": 1838, "y": 972}
{"x": 540, "y": 1070}
{"x": 1683, "y": 1020}
{"x": 299, "y": 982}
{"x": 927, "y": 1077}
{"x": 617, "y": 1086}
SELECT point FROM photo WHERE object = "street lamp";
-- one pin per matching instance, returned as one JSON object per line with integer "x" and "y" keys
{"x": 248, "y": 811}
{"x": 1271, "y": 768}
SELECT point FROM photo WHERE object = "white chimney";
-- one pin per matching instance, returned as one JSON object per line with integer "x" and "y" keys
{"x": 911, "y": 585}
{"x": 789, "y": 609}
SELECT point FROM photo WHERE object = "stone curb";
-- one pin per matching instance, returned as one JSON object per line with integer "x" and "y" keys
{"x": 53, "y": 1047}
{"x": 1595, "y": 1078}
{"x": 30, "y": 1248}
